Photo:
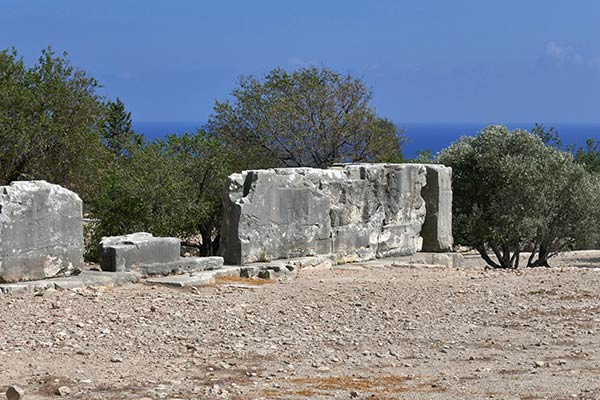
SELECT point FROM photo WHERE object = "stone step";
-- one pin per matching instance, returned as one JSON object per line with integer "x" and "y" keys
{"x": 184, "y": 264}
{"x": 200, "y": 278}
{"x": 84, "y": 279}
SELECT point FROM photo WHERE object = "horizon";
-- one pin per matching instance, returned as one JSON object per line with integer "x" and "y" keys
{"x": 426, "y": 62}
{"x": 420, "y": 136}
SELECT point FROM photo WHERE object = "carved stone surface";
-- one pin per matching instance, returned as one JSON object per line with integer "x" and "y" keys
{"x": 41, "y": 231}
{"x": 355, "y": 211}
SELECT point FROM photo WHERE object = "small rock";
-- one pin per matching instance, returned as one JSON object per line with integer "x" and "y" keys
{"x": 266, "y": 274}
{"x": 354, "y": 394}
{"x": 15, "y": 392}
{"x": 63, "y": 391}
{"x": 153, "y": 308}
{"x": 116, "y": 359}
{"x": 539, "y": 364}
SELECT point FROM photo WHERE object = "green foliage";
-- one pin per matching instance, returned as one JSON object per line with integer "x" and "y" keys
{"x": 589, "y": 156}
{"x": 310, "y": 117}
{"x": 50, "y": 119}
{"x": 118, "y": 135}
{"x": 513, "y": 193}
{"x": 424, "y": 157}
{"x": 167, "y": 188}
{"x": 549, "y": 136}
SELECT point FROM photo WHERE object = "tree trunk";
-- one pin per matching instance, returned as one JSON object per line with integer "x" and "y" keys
{"x": 483, "y": 253}
{"x": 206, "y": 246}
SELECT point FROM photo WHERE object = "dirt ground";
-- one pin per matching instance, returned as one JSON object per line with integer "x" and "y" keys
{"x": 360, "y": 331}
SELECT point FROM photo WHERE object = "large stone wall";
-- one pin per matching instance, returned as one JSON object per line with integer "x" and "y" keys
{"x": 355, "y": 211}
{"x": 41, "y": 231}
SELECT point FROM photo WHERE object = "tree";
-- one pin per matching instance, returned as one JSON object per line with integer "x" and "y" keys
{"x": 310, "y": 117}
{"x": 50, "y": 121}
{"x": 118, "y": 135}
{"x": 169, "y": 187}
{"x": 514, "y": 193}
{"x": 589, "y": 156}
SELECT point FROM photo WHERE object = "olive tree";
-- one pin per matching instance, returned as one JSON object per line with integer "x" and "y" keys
{"x": 513, "y": 193}
{"x": 309, "y": 117}
{"x": 50, "y": 121}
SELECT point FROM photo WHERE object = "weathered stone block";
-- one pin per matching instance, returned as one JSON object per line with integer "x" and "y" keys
{"x": 121, "y": 253}
{"x": 356, "y": 211}
{"x": 437, "y": 228}
{"x": 183, "y": 264}
{"x": 41, "y": 231}
{"x": 148, "y": 255}
{"x": 272, "y": 214}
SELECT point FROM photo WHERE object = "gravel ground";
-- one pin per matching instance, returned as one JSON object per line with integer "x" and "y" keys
{"x": 359, "y": 331}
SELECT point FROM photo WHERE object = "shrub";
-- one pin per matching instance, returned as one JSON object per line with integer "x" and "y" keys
{"x": 514, "y": 193}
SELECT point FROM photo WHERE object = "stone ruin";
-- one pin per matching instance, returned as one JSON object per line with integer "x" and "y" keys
{"x": 355, "y": 212}
{"x": 285, "y": 217}
{"x": 148, "y": 255}
{"x": 41, "y": 231}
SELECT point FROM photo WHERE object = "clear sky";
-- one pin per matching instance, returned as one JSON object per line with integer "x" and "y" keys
{"x": 426, "y": 61}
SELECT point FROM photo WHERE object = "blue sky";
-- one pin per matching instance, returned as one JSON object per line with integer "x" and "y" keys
{"x": 426, "y": 61}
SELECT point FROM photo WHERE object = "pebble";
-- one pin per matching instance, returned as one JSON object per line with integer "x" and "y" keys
{"x": 63, "y": 390}
{"x": 15, "y": 392}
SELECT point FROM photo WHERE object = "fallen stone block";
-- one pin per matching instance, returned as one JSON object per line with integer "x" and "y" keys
{"x": 200, "y": 278}
{"x": 182, "y": 265}
{"x": 121, "y": 253}
{"x": 116, "y": 278}
{"x": 182, "y": 280}
{"x": 41, "y": 231}
{"x": 28, "y": 286}
{"x": 84, "y": 279}
{"x": 227, "y": 271}
{"x": 148, "y": 255}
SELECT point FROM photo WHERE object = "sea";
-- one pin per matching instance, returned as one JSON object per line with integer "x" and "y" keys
{"x": 420, "y": 136}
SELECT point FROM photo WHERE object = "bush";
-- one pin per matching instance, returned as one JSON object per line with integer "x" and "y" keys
{"x": 168, "y": 188}
{"x": 513, "y": 193}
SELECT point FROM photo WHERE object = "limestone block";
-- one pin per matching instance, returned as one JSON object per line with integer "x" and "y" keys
{"x": 437, "y": 228}
{"x": 122, "y": 253}
{"x": 356, "y": 211}
{"x": 41, "y": 231}
{"x": 183, "y": 264}
{"x": 272, "y": 214}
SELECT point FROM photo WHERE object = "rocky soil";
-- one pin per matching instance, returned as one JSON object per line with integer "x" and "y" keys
{"x": 369, "y": 331}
